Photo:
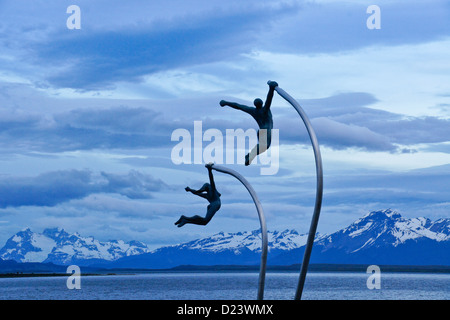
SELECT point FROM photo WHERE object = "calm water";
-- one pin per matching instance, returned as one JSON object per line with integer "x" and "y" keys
{"x": 229, "y": 286}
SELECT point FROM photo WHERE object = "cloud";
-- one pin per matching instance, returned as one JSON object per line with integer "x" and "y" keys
{"x": 46, "y": 189}
{"x": 412, "y": 190}
{"x": 125, "y": 50}
{"x": 341, "y": 121}
{"x": 94, "y": 59}
{"x": 340, "y": 135}
{"x": 86, "y": 129}
{"x": 52, "y": 188}
{"x": 123, "y": 43}
{"x": 134, "y": 185}
{"x": 341, "y": 26}
{"x": 345, "y": 120}
{"x": 413, "y": 130}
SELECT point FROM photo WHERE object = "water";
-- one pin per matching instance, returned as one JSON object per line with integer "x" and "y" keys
{"x": 229, "y": 286}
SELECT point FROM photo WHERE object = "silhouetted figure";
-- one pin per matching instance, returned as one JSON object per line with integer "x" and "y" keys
{"x": 263, "y": 117}
{"x": 210, "y": 193}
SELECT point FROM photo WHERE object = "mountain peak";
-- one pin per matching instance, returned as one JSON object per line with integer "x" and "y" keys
{"x": 248, "y": 240}
{"x": 57, "y": 246}
{"x": 55, "y": 233}
{"x": 383, "y": 214}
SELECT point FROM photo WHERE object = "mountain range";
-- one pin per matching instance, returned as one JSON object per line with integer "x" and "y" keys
{"x": 57, "y": 246}
{"x": 380, "y": 237}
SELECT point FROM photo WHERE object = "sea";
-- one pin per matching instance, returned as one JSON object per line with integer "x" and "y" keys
{"x": 228, "y": 286}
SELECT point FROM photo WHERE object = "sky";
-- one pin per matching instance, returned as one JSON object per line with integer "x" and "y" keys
{"x": 87, "y": 115}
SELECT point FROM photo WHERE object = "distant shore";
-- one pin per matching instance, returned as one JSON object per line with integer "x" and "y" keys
{"x": 315, "y": 268}
{"x": 37, "y": 275}
{"x": 235, "y": 268}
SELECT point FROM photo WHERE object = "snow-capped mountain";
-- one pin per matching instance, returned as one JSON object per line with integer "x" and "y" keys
{"x": 285, "y": 240}
{"x": 57, "y": 246}
{"x": 379, "y": 229}
{"x": 242, "y": 248}
{"x": 379, "y": 237}
{"x": 384, "y": 237}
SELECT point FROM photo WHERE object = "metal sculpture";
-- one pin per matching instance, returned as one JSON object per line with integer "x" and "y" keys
{"x": 210, "y": 193}
{"x": 262, "y": 115}
{"x": 319, "y": 190}
{"x": 262, "y": 221}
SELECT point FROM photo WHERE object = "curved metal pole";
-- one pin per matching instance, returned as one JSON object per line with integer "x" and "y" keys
{"x": 262, "y": 220}
{"x": 319, "y": 192}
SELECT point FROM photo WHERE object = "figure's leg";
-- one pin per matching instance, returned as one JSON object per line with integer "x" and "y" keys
{"x": 251, "y": 155}
{"x": 180, "y": 220}
{"x": 194, "y": 220}
{"x": 203, "y": 221}
{"x": 263, "y": 144}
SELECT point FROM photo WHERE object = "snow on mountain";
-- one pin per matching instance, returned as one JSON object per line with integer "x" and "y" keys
{"x": 379, "y": 237}
{"x": 285, "y": 240}
{"x": 242, "y": 248}
{"x": 375, "y": 229}
{"x": 27, "y": 246}
{"x": 57, "y": 246}
{"x": 384, "y": 237}
{"x": 386, "y": 228}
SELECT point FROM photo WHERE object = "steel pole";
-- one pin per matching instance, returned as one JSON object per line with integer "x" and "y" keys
{"x": 262, "y": 220}
{"x": 319, "y": 191}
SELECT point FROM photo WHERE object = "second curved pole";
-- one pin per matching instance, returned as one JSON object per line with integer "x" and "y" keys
{"x": 262, "y": 220}
{"x": 319, "y": 191}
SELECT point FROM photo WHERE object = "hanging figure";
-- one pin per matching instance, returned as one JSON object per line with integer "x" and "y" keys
{"x": 210, "y": 193}
{"x": 263, "y": 117}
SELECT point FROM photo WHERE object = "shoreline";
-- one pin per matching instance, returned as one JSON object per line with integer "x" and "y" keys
{"x": 314, "y": 268}
{"x": 44, "y": 275}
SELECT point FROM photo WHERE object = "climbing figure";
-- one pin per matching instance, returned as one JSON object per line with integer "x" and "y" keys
{"x": 210, "y": 193}
{"x": 263, "y": 117}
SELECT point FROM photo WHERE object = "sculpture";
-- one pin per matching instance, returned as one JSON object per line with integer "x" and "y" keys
{"x": 210, "y": 193}
{"x": 262, "y": 116}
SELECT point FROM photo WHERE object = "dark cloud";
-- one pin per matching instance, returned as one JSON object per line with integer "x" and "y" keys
{"x": 412, "y": 190}
{"x": 86, "y": 129}
{"x": 415, "y": 188}
{"x": 46, "y": 189}
{"x": 341, "y": 121}
{"x": 416, "y": 130}
{"x": 95, "y": 59}
{"x": 134, "y": 185}
{"x": 346, "y": 120}
{"x": 340, "y": 26}
{"x": 52, "y": 188}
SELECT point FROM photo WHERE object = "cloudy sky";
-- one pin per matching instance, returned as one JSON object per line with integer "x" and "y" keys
{"x": 87, "y": 115}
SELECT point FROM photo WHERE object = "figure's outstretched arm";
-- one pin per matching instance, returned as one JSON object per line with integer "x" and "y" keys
{"x": 237, "y": 106}
{"x": 198, "y": 192}
{"x": 211, "y": 177}
{"x": 272, "y": 85}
